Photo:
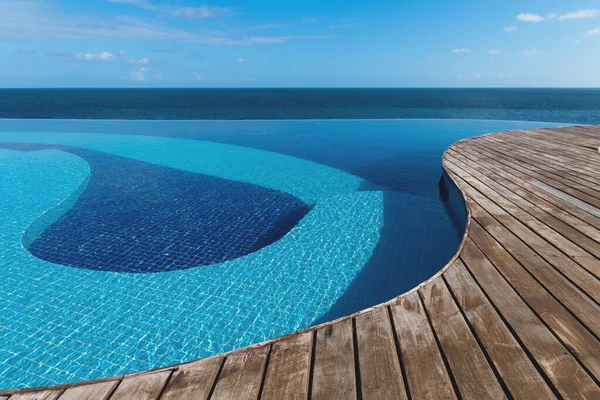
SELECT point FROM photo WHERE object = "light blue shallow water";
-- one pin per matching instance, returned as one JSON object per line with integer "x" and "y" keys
{"x": 376, "y": 227}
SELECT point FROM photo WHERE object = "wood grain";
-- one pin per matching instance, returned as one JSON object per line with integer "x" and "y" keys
{"x": 333, "y": 375}
{"x": 142, "y": 387}
{"x": 288, "y": 373}
{"x": 242, "y": 375}
{"x": 94, "y": 391}
{"x": 380, "y": 371}
{"x": 193, "y": 381}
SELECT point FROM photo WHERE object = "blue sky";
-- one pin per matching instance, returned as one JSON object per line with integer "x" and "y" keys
{"x": 308, "y": 43}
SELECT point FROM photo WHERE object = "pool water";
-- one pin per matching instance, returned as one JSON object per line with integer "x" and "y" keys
{"x": 129, "y": 245}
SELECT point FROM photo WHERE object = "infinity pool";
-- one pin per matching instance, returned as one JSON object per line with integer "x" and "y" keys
{"x": 130, "y": 245}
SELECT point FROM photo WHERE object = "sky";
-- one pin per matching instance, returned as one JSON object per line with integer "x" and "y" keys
{"x": 307, "y": 43}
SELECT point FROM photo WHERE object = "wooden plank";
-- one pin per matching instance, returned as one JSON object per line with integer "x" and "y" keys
{"x": 582, "y": 180}
{"x": 242, "y": 375}
{"x": 584, "y": 192}
{"x": 193, "y": 381}
{"x": 473, "y": 375}
{"x": 514, "y": 240}
{"x": 565, "y": 209}
{"x": 573, "y": 243}
{"x": 516, "y": 177}
{"x": 426, "y": 373}
{"x": 41, "y": 395}
{"x": 142, "y": 387}
{"x": 584, "y": 280}
{"x": 534, "y": 154}
{"x": 518, "y": 372}
{"x": 380, "y": 371}
{"x": 333, "y": 375}
{"x": 539, "y": 157}
{"x": 560, "y": 176}
{"x": 551, "y": 356}
{"x": 288, "y": 372}
{"x": 577, "y": 338}
{"x": 93, "y": 391}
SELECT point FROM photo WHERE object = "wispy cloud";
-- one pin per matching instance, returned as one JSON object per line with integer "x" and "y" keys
{"x": 241, "y": 61}
{"x": 578, "y": 14}
{"x": 141, "y": 61}
{"x": 462, "y": 51}
{"x": 175, "y": 11}
{"x": 588, "y": 13}
{"x": 139, "y": 74}
{"x": 511, "y": 28}
{"x": 533, "y": 52}
{"x": 42, "y": 20}
{"x": 593, "y": 32}
{"x": 529, "y": 17}
{"x": 104, "y": 56}
{"x": 494, "y": 51}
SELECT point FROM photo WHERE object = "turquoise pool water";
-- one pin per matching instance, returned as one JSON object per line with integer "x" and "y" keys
{"x": 129, "y": 245}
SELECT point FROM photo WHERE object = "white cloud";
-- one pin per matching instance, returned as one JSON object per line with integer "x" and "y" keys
{"x": 140, "y": 74}
{"x": 494, "y": 51}
{"x": 241, "y": 61}
{"x": 511, "y": 28}
{"x": 141, "y": 61}
{"x": 529, "y": 17}
{"x": 534, "y": 52}
{"x": 477, "y": 75}
{"x": 462, "y": 51}
{"x": 42, "y": 20}
{"x": 104, "y": 56}
{"x": 578, "y": 14}
{"x": 588, "y": 13}
{"x": 122, "y": 52}
{"x": 593, "y": 32}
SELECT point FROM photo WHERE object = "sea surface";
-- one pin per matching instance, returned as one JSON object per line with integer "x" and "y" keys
{"x": 575, "y": 106}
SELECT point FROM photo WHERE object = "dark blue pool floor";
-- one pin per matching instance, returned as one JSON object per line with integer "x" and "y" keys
{"x": 140, "y": 217}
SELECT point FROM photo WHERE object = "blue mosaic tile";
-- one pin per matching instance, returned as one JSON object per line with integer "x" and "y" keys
{"x": 140, "y": 217}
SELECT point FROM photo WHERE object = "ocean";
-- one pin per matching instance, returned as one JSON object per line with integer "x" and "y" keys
{"x": 574, "y": 106}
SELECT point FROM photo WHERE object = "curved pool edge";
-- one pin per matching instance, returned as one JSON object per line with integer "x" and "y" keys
{"x": 448, "y": 169}
{"x": 279, "y": 338}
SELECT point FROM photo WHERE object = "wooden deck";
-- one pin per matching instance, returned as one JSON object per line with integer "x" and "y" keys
{"x": 515, "y": 314}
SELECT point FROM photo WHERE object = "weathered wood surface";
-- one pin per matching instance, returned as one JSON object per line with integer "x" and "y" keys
{"x": 516, "y": 314}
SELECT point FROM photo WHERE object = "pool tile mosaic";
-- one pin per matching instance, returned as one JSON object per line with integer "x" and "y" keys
{"x": 136, "y": 216}
{"x": 356, "y": 246}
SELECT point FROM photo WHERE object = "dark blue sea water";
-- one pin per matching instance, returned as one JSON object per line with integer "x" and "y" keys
{"x": 581, "y": 106}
